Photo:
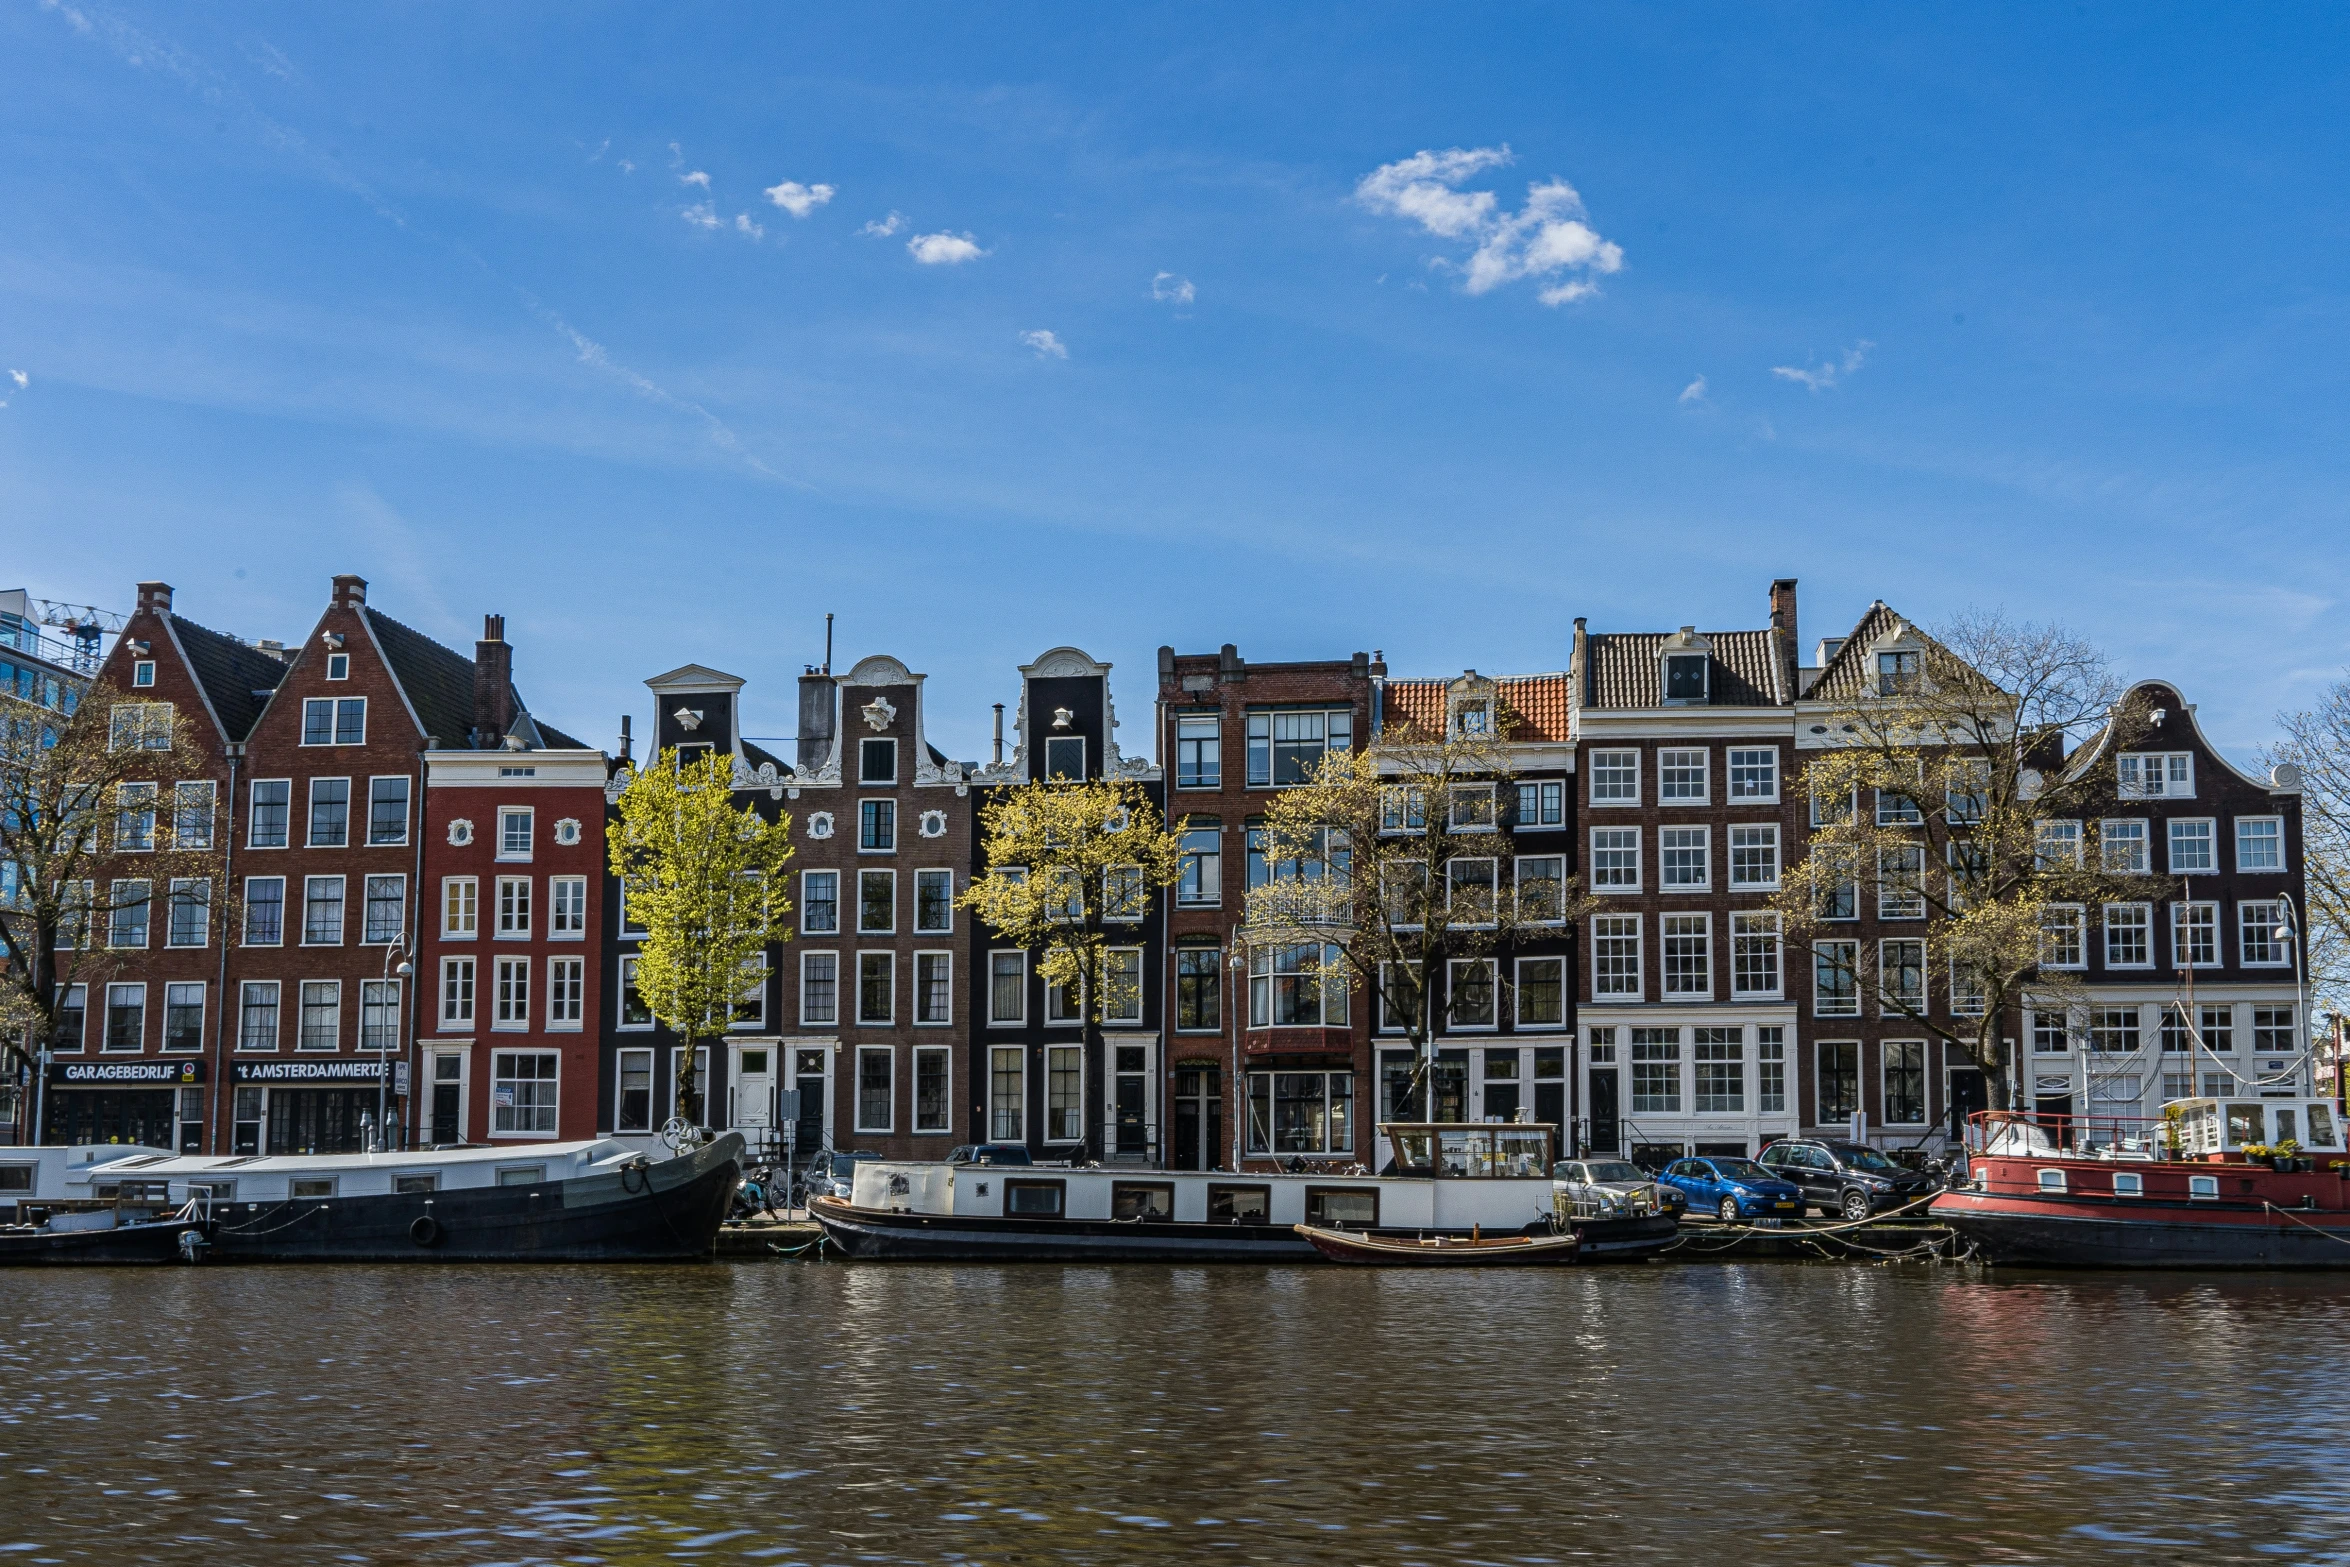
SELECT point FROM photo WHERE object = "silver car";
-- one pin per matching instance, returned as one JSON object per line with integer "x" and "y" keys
{"x": 1612, "y": 1189}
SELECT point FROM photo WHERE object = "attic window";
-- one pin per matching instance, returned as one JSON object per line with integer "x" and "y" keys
{"x": 1685, "y": 677}
{"x": 877, "y": 762}
{"x": 143, "y": 672}
{"x": 1897, "y": 673}
{"x": 1470, "y": 718}
{"x": 1064, "y": 757}
{"x": 338, "y": 666}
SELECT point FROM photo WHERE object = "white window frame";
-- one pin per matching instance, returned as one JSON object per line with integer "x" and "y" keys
{"x": 2171, "y": 839}
{"x": 1849, "y": 949}
{"x": 245, "y": 928}
{"x": 914, "y": 1098}
{"x": 2270, "y": 921}
{"x": 1067, "y": 1052}
{"x": 1622, "y": 839}
{"x": 1619, "y": 928}
{"x": 889, "y": 874}
{"x": 1452, "y": 987}
{"x": 2242, "y": 822}
{"x": 277, "y": 1017}
{"x": 302, "y": 1010}
{"x": 2181, "y": 923}
{"x": 562, "y": 973}
{"x": 934, "y": 957}
{"x": 889, "y": 1058}
{"x": 310, "y": 815}
{"x": 1769, "y": 838}
{"x": 807, "y": 1019}
{"x": 1462, "y": 792}
{"x": 554, "y": 1112}
{"x": 2109, "y": 841}
{"x": 559, "y": 890}
{"x": 1679, "y": 755}
{"x": 807, "y": 903}
{"x": 948, "y": 928}
{"x": 366, "y": 887}
{"x": 528, "y": 816}
{"x": 1665, "y": 933}
{"x": 1890, "y": 1004}
{"x": 509, "y": 1010}
{"x": 1556, "y": 914}
{"x": 1490, "y": 885}
{"x": 457, "y": 1012}
{"x": 1885, "y": 1080}
{"x": 1732, "y": 764}
{"x": 2174, "y": 775}
{"x": 1704, "y": 834}
{"x": 1612, "y": 760}
{"x": 513, "y": 911}
{"x": 1007, "y": 1124}
{"x": 253, "y": 804}
{"x": 995, "y": 1019}
{"x": 2078, "y": 916}
{"x": 1749, "y": 929}
{"x": 1141, "y": 985}
{"x": 407, "y": 811}
{"x": 624, "y": 977}
{"x": 343, "y": 920}
{"x": 1518, "y": 1020}
{"x": 460, "y": 908}
{"x": 2144, "y": 917}
{"x": 891, "y": 958}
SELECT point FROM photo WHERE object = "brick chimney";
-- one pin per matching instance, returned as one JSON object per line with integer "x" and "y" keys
{"x": 155, "y": 596}
{"x": 493, "y": 681}
{"x": 1783, "y": 622}
{"x": 350, "y": 592}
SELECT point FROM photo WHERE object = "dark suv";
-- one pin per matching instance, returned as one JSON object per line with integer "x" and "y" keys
{"x": 1848, "y": 1180}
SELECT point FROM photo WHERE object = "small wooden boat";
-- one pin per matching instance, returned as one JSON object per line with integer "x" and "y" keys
{"x": 177, "y": 1238}
{"x": 1439, "y": 1251}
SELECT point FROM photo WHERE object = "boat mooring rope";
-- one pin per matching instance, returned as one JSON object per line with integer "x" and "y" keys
{"x": 2287, "y": 1213}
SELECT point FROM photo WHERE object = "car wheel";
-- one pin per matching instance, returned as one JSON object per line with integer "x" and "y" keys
{"x": 1856, "y": 1206}
{"x": 1729, "y": 1210}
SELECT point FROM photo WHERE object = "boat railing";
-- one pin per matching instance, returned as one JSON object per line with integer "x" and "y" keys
{"x": 2187, "y": 1129}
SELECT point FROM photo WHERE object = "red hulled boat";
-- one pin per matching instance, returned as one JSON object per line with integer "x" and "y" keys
{"x": 2258, "y": 1183}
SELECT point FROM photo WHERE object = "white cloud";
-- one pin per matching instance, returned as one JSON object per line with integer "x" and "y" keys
{"x": 698, "y": 177}
{"x": 744, "y": 225}
{"x": 1167, "y": 288}
{"x": 1694, "y": 392}
{"x": 943, "y": 249}
{"x": 701, "y": 215}
{"x": 1818, "y": 378}
{"x": 628, "y": 165}
{"x": 882, "y": 228}
{"x": 1547, "y": 239}
{"x": 20, "y": 378}
{"x": 1046, "y": 345}
{"x": 797, "y": 199}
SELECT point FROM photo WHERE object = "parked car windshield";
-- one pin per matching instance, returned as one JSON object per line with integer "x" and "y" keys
{"x": 1616, "y": 1170}
{"x": 1869, "y": 1159}
{"x": 1743, "y": 1170}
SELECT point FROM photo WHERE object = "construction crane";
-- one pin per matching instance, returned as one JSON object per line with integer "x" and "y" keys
{"x": 86, "y": 624}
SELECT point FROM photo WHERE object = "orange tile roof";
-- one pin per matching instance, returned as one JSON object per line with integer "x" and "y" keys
{"x": 1538, "y": 704}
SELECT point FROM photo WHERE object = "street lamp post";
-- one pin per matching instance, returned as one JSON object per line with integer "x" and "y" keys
{"x": 385, "y": 1036}
{"x": 2289, "y": 932}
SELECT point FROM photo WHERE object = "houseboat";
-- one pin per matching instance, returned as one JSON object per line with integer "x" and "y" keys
{"x": 2256, "y": 1183}
{"x": 553, "y": 1202}
{"x": 1447, "y": 1180}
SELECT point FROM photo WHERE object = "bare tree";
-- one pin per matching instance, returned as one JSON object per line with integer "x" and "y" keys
{"x": 109, "y": 836}
{"x": 1387, "y": 868}
{"x": 2317, "y": 741}
{"x": 1950, "y": 797}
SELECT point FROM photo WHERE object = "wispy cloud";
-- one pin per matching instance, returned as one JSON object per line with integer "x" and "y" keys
{"x": 943, "y": 249}
{"x": 1694, "y": 392}
{"x": 1167, "y": 288}
{"x": 699, "y": 177}
{"x": 1047, "y": 346}
{"x": 1547, "y": 240}
{"x": 797, "y": 199}
{"x": 702, "y": 215}
{"x": 744, "y": 225}
{"x": 20, "y": 378}
{"x": 883, "y": 228}
{"x": 1820, "y": 377}
{"x": 628, "y": 165}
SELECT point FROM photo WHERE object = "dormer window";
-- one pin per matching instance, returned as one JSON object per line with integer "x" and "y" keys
{"x": 1064, "y": 758}
{"x": 1898, "y": 673}
{"x": 1685, "y": 677}
{"x": 1472, "y": 718}
{"x": 2155, "y": 775}
{"x": 877, "y": 762}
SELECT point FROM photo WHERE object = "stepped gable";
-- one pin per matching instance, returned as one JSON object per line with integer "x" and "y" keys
{"x": 1622, "y": 669}
{"x": 231, "y": 673}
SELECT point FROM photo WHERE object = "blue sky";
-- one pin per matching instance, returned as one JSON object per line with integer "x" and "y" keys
{"x": 665, "y": 330}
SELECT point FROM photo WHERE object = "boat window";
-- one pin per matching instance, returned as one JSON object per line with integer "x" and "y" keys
{"x": 1414, "y": 1150}
{"x": 2129, "y": 1186}
{"x": 416, "y": 1181}
{"x": 2052, "y": 1180}
{"x": 2287, "y": 1127}
{"x": 2243, "y": 1124}
{"x": 322, "y": 1186}
{"x": 522, "y": 1175}
{"x": 1033, "y": 1199}
{"x": 1240, "y": 1204}
{"x": 2203, "y": 1186}
{"x": 1142, "y": 1200}
{"x": 2321, "y": 1127}
{"x": 1340, "y": 1205}
{"x": 16, "y": 1177}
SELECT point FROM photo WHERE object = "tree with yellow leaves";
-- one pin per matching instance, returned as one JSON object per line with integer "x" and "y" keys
{"x": 705, "y": 878}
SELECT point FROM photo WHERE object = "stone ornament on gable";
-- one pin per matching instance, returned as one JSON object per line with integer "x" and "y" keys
{"x": 819, "y": 824}
{"x": 933, "y": 824}
{"x": 567, "y": 831}
{"x": 688, "y": 719}
{"x": 879, "y": 714}
{"x": 460, "y": 832}
{"x": 617, "y": 785}
{"x": 766, "y": 777}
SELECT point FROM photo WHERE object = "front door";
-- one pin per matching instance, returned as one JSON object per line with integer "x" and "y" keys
{"x": 448, "y": 1100}
{"x": 1502, "y": 1091}
{"x": 1199, "y": 1118}
{"x": 1130, "y": 1093}
{"x": 1550, "y": 1090}
{"x": 808, "y": 1080}
{"x": 1968, "y": 1095}
{"x": 751, "y": 1100}
{"x": 1606, "y": 1135}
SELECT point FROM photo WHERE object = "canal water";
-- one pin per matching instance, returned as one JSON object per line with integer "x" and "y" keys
{"x": 789, "y": 1413}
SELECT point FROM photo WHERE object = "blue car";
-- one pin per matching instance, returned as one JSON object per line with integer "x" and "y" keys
{"x": 1733, "y": 1190}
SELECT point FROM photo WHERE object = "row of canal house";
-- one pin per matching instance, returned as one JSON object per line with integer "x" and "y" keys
{"x": 423, "y": 937}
